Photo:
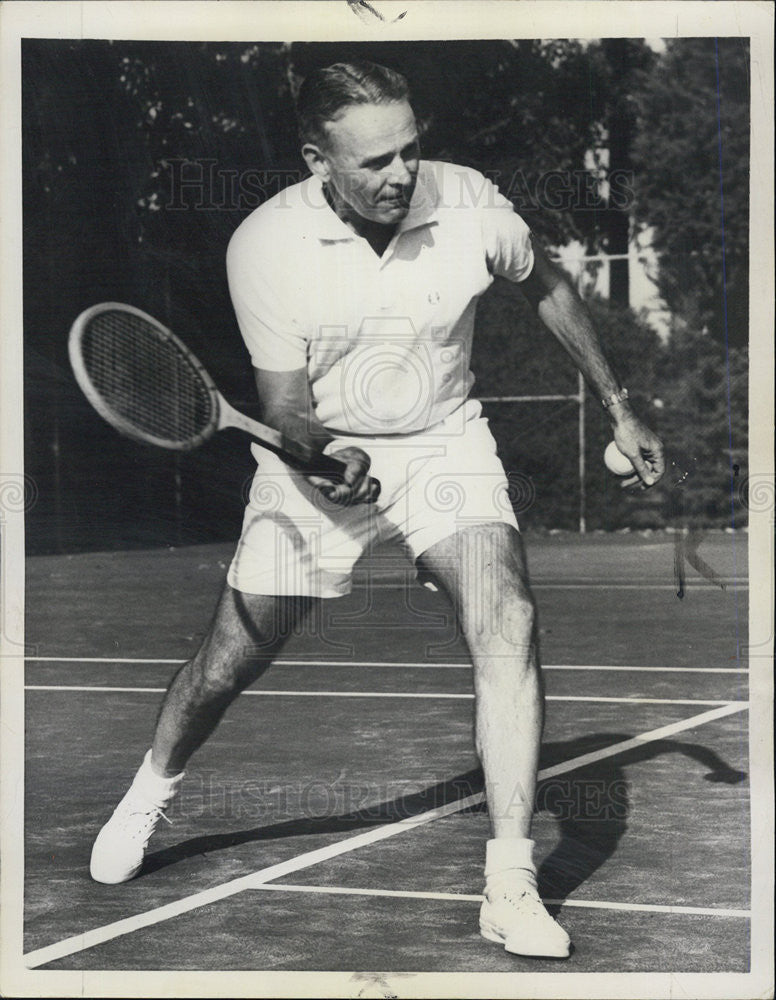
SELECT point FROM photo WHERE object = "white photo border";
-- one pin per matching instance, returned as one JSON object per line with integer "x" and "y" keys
{"x": 332, "y": 20}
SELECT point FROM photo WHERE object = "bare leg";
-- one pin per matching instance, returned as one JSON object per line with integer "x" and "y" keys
{"x": 248, "y": 631}
{"x": 483, "y": 570}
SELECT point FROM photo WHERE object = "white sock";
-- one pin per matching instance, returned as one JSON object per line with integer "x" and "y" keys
{"x": 507, "y": 860}
{"x": 153, "y": 787}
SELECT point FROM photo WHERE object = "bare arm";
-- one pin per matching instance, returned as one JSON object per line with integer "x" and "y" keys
{"x": 565, "y": 315}
{"x": 286, "y": 406}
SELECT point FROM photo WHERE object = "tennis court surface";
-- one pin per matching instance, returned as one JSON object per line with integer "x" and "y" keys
{"x": 335, "y": 821}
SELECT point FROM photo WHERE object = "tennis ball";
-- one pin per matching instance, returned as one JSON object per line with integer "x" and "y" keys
{"x": 616, "y": 462}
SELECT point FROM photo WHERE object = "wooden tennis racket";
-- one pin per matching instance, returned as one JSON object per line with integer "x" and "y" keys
{"x": 147, "y": 384}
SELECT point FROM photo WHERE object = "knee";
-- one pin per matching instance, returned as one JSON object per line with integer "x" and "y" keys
{"x": 216, "y": 676}
{"x": 519, "y": 618}
{"x": 507, "y": 620}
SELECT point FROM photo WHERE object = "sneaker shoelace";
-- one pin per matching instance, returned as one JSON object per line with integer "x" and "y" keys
{"x": 138, "y": 819}
{"x": 526, "y": 900}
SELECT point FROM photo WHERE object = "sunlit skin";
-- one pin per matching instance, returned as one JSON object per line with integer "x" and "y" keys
{"x": 369, "y": 167}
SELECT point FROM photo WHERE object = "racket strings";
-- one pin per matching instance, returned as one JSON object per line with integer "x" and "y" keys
{"x": 146, "y": 378}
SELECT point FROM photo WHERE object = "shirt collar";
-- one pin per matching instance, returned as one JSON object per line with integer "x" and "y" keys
{"x": 425, "y": 201}
{"x": 328, "y": 226}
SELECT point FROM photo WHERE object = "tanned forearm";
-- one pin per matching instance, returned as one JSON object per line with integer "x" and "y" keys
{"x": 286, "y": 406}
{"x": 565, "y": 315}
{"x": 304, "y": 428}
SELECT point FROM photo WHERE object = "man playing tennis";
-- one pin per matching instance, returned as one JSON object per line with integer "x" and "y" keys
{"x": 355, "y": 292}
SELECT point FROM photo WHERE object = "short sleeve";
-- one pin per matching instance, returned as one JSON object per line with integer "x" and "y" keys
{"x": 506, "y": 237}
{"x": 264, "y": 300}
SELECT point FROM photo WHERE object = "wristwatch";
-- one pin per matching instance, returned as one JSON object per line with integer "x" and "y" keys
{"x": 616, "y": 397}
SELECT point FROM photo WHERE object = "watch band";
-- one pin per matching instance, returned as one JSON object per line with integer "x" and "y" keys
{"x": 616, "y": 397}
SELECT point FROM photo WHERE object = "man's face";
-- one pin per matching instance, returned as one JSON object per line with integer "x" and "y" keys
{"x": 370, "y": 161}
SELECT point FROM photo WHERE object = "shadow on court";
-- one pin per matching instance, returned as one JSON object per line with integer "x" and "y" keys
{"x": 378, "y": 814}
{"x": 591, "y": 806}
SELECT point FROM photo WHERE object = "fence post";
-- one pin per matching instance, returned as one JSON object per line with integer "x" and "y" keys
{"x": 582, "y": 495}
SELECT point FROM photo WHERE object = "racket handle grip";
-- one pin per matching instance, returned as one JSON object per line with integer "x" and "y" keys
{"x": 325, "y": 465}
{"x": 328, "y": 466}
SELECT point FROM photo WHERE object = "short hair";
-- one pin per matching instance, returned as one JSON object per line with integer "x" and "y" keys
{"x": 326, "y": 92}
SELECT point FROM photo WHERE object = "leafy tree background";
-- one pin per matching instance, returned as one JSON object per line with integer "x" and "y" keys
{"x": 691, "y": 157}
{"x": 112, "y": 129}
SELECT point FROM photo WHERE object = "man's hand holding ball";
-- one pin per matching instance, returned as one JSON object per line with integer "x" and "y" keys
{"x": 635, "y": 456}
{"x": 616, "y": 462}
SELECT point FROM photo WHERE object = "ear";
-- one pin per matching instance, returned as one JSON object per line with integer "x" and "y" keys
{"x": 316, "y": 160}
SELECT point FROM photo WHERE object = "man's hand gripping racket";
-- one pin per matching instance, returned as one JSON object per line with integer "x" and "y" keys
{"x": 150, "y": 387}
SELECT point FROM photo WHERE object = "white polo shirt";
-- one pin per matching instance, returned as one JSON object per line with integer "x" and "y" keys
{"x": 386, "y": 340}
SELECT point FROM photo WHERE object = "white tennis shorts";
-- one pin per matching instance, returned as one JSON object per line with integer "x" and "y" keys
{"x": 295, "y": 542}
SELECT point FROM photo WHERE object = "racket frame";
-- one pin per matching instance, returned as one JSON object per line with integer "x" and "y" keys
{"x": 223, "y": 414}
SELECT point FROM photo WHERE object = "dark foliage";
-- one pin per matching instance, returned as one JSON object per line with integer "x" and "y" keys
{"x": 141, "y": 158}
{"x": 691, "y": 156}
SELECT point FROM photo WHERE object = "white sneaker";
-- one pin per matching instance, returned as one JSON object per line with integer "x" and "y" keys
{"x": 118, "y": 851}
{"x": 514, "y": 915}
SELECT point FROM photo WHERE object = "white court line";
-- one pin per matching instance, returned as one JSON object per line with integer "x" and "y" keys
{"x": 705, "y": 911}
{"x": 89, "y": 939}
{"x": 93, "y": 659}
{"x": 663, "y": 670}
{"x": 732, "y": 584}
{"x": 385, "y": 694}
{"x": 378, "y": 663}
{"x": 729, "y": 584}
{"x": 636, "y": 586}
{"x": 701, "y": 911}
{"x": 636, "y": 741}
{"x": 642, "y": 701}
{"x": 80, "y": 942}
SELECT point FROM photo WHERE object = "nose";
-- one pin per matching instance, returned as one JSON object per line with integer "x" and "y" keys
{"x": 399, "y": 172}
